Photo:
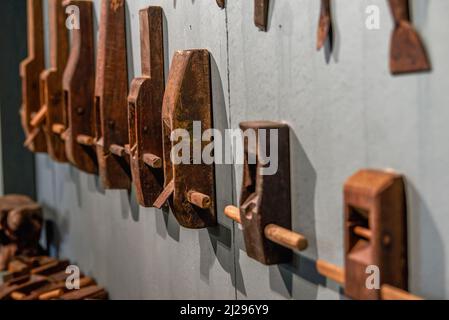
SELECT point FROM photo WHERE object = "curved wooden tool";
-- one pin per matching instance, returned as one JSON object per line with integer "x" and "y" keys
{"x": 53, "y": 108}
{"x": 145, "y": 110}
{"x": 78, "y": 84}
{"x": 188, "y": 106}
{"x": 111, "y": 91}
{"x": 407, "y": 52}
{"x": 375, "y": 231}
{"x": 221, "y": 3}
{"x": 30, "y": 70}
{"x": 375, "y": 235}
{"x": 325, "y": 24}
{"x": 261, "y": 14}
{"x": 265, "y": 214}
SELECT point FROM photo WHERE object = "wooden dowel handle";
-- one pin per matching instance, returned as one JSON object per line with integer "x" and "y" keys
{"x": 85, "y": 140}
{"x": 152, "y": 160}
{"x": 40, "y": 117}
{"x": 388, "y": 292}
{"x": 331, "y": 271}
{"x": 30, "y": 139}
{"x": 273, "y": 232}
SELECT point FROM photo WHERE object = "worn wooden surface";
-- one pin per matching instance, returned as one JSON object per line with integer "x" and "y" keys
{"x": 375, "y": 200}
{"x": 111, "y": 93}
{"x": 187, "y": 100}
{"x": 145, "y": 110}
{"x": 30, "y": 70}
{"x": 52, "y": 95}
{"x": 79, "y": 87}
{"x": 345, "y": 101}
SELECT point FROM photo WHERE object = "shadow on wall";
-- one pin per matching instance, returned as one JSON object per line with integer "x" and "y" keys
{"x": 425, "y": 246}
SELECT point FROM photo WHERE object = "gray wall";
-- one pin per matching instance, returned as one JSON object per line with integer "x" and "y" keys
{"x": 346, "y": 112}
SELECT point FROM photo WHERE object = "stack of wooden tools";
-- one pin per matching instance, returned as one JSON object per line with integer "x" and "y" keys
{"x": 45, "y": 278}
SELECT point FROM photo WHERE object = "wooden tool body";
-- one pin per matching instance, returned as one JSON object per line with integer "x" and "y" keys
{"x": 265, "y": 204}
{"x": 52, "y": 96}
{"x": 325, "y": 24}
{"x": 79, "y": 88}
{"x": 145, "y": 111}
{"x": 111, "y": 92}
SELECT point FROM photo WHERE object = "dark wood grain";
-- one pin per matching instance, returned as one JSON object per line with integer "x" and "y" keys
{"x": 145, "y": 108}
{"x": 111, "y": 92}
{"x": 79, "y": 87}
{"x": 407, "y": 51}
{"x": 30, "y": 69}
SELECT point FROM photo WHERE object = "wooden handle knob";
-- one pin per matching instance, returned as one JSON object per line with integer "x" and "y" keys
{"x": 273, "y": 232}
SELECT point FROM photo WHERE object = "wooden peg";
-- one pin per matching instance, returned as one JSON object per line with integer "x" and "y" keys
{"x": 274, "y": 233}
{"x": 145, "y": 108}
{"x": 111, "y": 91}
{"x": 407, "y": 51}
{"x": 261, "y": 14}
{"x": 187, "y": 102}
{"x": 78, "y": 84}
{"x": 30, "y": 69}
{"x": 325, "y": 24}
{"x": 52, "y": 94}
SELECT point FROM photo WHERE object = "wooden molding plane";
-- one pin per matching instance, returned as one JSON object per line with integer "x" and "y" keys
{"x": 111, "y": 93}
{"x": 324, "y": 24}
{"x": 261, "y": 14}
{"x": 407, "y": 51}
{"x": 375, "y": 235}
{"x": 145, "y": 110}
{"x": 52, "y": 96}
{"x": 30, "y": 69}
{"x": 78, "y": 84}
{"x": 189, "y": 187}
{"x": 265, "y": 205}
{"x": 221, "y": 3}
